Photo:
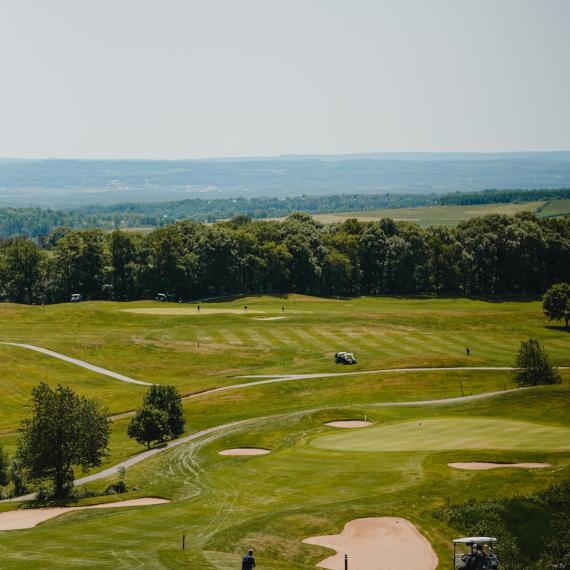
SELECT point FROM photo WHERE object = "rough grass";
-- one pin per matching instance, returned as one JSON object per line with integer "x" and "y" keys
{"x": 226, "y": 504}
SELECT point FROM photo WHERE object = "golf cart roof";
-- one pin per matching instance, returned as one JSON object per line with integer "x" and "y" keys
{"x": 474, "y": 540}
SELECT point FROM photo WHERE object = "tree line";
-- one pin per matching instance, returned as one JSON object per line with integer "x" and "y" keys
{"x": 485, "y": 256}
{"x": 39, "y": 222}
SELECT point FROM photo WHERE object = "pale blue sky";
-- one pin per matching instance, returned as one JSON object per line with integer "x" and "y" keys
{"x": 190, "y": 79}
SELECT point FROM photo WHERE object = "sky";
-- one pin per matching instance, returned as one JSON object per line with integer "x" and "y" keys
{"x": 170, "y": 79}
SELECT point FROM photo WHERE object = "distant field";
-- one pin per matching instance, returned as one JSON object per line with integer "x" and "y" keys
{"x": 555, "y": 208}
{"x": 447, "y": 215}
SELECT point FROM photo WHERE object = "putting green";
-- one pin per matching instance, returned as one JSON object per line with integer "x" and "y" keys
{"x": 450, "y": 433}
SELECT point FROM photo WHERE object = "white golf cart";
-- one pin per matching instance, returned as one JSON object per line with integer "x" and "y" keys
{"x": 345, "y": 358}
{"x": 76, "y": 297}
{"x": 475, "y": 553}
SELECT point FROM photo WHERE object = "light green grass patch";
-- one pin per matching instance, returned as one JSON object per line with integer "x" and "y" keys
{"x": 440, "y": 434}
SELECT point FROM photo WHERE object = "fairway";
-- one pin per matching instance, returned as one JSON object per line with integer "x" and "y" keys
{"x": 451, "y": 433}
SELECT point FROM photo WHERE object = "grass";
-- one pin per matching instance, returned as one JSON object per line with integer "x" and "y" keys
{"x": 450, "y": 433}
{"x": 442, "y": 215}
{"x": 271, "y": 502}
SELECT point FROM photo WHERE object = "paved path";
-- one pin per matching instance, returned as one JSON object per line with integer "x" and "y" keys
{"x": 81, "y": 363}
{"x": 110, "y": 471}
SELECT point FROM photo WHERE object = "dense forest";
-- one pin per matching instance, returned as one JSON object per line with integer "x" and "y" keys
{"x": 491, "y": 255}
{"x": 35, "y": 222}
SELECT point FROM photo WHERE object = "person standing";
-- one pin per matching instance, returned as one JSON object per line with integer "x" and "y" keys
{"x": 248, "y": 562}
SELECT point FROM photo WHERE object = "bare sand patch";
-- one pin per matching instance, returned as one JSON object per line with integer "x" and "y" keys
{"x": 190, "y": 311}
{"x": 349, "y": 424}
{"x": 268, "y": 318}
{"x": 29, "y": 518}
{"x": 378, "y": 543}
{"x": 483, "y": 466}
{"x": 245, "y": 451}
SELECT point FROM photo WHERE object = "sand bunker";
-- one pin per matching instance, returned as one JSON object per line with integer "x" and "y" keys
{"x": 29, "y": 518}
{"x": 482, "y": 466}
{"x": 245, "y": 451}
{"x": 268, "y": 318}
{"x": 349, "y": 424}
{"x": 381, "y": 543}
{"x": 190, "y": 311}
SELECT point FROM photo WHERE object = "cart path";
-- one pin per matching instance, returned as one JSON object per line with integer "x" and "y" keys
{"x": 258, "y": 379}
{"x": 81, "y": 363}
{"x": 113, "y": 470}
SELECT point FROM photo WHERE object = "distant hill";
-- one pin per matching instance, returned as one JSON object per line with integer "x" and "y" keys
{"x": 73, "y": 183}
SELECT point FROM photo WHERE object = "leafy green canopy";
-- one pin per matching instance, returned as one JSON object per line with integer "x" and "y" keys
{"x": 556, "y": 303}
{"x": 149, "y": 424}
{"x": 534, "y": 367}
{"x": 167, "y": 399}
{"x": 65, "y": 431}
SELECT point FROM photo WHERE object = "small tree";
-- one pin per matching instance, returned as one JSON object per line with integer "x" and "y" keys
{"x": 4, "y": 468}
{"x": 167, "y": 399}
{"x": 65, "y": 431}
{"x": 556, "y": 303}
{"x": 534, "y": 367}
{"x": 149, "y": 424}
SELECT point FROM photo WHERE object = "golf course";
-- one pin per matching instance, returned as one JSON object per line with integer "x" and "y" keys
{"x": 264, "y": 462}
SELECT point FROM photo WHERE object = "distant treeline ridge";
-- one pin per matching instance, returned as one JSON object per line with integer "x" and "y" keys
{"x": 35, "y": 222}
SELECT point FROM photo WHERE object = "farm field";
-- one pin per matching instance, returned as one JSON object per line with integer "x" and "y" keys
{"x": 224, "y": 504}
{"x": 451, "y": 215}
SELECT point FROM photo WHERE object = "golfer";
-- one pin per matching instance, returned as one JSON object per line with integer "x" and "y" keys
{"x": 248, "y": 562}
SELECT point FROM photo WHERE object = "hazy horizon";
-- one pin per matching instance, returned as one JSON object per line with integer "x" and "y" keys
{"x": 187, "y": 80}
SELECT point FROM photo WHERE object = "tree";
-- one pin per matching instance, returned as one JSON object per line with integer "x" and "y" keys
{"x": 534, "y": 367}
{"x": 65, "y": 431}
{"x": 167, "y": 399}
{"x": 4, "y": 468}
{"x": 147, "y": 425}
{"x": 556, "y": 303}
{"x": 17, "y": 477}
{"x": 22, "y": 270}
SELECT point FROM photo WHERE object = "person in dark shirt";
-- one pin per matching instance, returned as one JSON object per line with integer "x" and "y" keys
{"x": 248, "y": 561}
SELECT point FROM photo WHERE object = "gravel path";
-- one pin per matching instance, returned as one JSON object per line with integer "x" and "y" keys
{"x": 81, "y": 363}
{"x": 113, "y": 470}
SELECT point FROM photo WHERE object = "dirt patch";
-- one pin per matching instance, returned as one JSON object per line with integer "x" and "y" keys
{"x": 245, "y": 451}
{"x": 29, "y": 518}
{"x": 380, "y": 543}
{"x": 349, "y": 424}
{"x": 268, "y": 318}
{"x": 483, "y": 466}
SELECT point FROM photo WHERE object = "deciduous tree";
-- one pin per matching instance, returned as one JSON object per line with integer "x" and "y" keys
{"x": 534, "y": 367}
{"x": 556, "y": 303}
{"x": 65, "y": 431}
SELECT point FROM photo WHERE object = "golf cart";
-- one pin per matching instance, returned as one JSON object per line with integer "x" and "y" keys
{"x": 344, "y": 358}
{"x": 475, "y": 553}
{"x": 161, "y": 297}
{"x": 76, "y": 297}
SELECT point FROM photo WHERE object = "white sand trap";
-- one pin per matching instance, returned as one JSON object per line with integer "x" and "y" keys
{"x": 268, "y": 318}
{"x": 349, "y": 424}
{"x": 482, "y": 466}
{"x": 381, "y": 543}
{"x": 245, "y": 451}
{"x": 190, "y": 311}
{"x": 29, "y": 518}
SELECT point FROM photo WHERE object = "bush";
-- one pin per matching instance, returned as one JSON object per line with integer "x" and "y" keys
{"x": 534, "y": 367}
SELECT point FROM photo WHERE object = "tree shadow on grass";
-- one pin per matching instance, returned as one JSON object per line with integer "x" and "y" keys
{"x": 559, "y": 328}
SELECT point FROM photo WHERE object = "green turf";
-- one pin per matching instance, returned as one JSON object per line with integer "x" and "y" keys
{"x": 450, "y": 433}
{"x": 226, "y": 504}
